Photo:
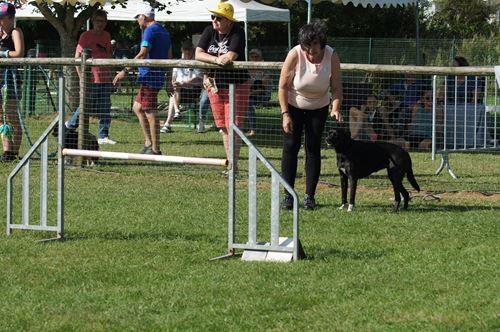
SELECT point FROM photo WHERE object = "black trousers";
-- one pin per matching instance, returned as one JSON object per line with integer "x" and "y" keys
{"x": 312, "y": 123}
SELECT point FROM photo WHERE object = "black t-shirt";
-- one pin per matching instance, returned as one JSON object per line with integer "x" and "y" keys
{"x": 215, "y": 44}
{"x": 7, "y": 44}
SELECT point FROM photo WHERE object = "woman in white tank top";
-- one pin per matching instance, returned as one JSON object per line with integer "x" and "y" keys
{"x": 310, "y": 81}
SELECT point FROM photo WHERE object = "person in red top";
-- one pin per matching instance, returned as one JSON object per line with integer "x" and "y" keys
{"x": 98, "y": 41}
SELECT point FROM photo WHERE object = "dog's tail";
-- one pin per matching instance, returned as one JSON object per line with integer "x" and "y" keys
{"x": 411, "y": 178}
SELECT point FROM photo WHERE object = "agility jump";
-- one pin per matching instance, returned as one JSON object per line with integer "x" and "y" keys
{"x": 146, "y": 157}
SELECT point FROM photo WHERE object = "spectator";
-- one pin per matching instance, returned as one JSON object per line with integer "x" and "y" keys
{"x": 155, "y": 44}
{"x": 98, "y": 41}
{"x": 408, "y": 92}
{"x": 11, "y": 46}
{"x": 420, "y": 127}
{"x": 186, "y": 83}
{"x": 203, "y": 107}
{"x": 260, "y": 90}
{"x": 372, "y": 122}
{"x": 311, "y": 72}
{"x": 222, "y": 43}
{"x": 463, "y": 89}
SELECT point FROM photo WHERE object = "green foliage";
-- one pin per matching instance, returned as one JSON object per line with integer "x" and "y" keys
{"x": 463, "y": 19}
{"x": 481, "y": 50}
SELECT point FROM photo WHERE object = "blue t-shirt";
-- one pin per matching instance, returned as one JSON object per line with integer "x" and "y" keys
{"x": 408, "y": 94}
{"x": 157, "y": 39}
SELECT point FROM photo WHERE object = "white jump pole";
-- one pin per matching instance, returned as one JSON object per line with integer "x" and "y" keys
{"x": 145, "y": 157}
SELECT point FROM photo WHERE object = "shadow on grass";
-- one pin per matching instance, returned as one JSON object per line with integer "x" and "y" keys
{"x": 321, "y": 253}
{"x": 141, "y": 235}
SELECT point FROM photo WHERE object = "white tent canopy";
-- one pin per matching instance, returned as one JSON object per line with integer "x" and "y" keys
{"x": 188, "y": 11}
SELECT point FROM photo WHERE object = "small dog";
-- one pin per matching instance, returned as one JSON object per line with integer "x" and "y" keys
{"x": 357, "y": 159}
{"x": 71, "y": 142}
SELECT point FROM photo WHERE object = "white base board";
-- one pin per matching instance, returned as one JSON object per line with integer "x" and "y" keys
{"x": 271, "y": 256}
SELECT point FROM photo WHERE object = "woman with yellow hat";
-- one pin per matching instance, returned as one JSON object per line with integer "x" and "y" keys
{"x": 222, "y": 43}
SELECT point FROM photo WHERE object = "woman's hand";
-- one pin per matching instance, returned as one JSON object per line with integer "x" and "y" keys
{"x": 336, "y": 114}
{"x": 223, "y": 60}
{"x": 287, "y": 123}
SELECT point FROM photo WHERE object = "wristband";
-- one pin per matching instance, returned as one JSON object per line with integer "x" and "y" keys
{"x": 125, "y": 70}
{"x": 285, "y": 112}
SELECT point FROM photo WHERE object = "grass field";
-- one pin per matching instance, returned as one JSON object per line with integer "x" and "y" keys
{"x": 140, "y": 237}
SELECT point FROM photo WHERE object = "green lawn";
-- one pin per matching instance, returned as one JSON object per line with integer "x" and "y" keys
{"x": 140, "y": 237}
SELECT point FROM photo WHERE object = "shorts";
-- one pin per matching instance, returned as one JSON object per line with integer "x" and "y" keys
{"x": 219, "y": 103}
{"x": 148, "y": 98}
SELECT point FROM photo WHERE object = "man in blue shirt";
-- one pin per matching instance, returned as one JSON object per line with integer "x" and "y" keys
{"x": 408, "y": 91}
{"x": 155, "y": 44}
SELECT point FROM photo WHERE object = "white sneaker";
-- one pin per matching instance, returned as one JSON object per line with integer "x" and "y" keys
{"x": 166, "y": 129}
{"x": 177, "y": 115}
{"x": 105, "y": 140}
{"x": 201, "y": 127}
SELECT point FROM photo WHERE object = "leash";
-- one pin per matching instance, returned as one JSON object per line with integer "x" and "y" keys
{"x": 6, "y": 130}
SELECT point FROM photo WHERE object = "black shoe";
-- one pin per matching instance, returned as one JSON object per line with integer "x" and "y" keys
{"x": 309, "y": 202}
{"x": 8, "y": 156}
{"x": 153, "y": 152}
{"x": 287, "y": 202}
{"x": 146, "y": 149}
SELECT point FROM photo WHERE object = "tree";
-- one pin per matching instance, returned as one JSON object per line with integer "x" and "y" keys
{"x": 463, "y": 19}
{"x": 68, "y": 17}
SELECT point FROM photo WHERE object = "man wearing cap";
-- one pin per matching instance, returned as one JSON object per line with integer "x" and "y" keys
{"x": 222, "y": 43}
{"x": 155, "y": 44}
{"x": 11, "y": 46}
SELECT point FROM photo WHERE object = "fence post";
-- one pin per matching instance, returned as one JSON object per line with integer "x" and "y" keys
{"x": 83, "y": 117}
{"x": 370, "y": 45}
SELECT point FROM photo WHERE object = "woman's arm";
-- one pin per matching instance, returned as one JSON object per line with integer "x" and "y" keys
{"x": 286, "y": 80}
{"x": 18, "y": 38}
{"x": 336, "y": 88}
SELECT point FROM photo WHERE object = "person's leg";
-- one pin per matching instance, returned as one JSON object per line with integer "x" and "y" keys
{"x": 154, "y": 130}
{"x": 17, "y": 134}
{"x": 103, "y": 109}
{"x": 291, "y": 146}
{"x": 203, "y": 106}
{"x": 73, "y": 122}
{"x": 251, "y": 114}
{"x": 138, "y": 110}
{"x": 356, "y": 121}
{"x": 242, "y": 92}
{"x": 176, "y": 97}
{"x": 152, "y": 120}
{"x": 314, "y": 126}
{"x": 170, "y": 116}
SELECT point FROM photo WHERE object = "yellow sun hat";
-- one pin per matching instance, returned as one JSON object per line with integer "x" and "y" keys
{"x": 224, "y": 9}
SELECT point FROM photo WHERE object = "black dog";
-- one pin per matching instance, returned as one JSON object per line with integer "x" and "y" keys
{"x": 71, "y": 142}
{"x": 357, "y": 159}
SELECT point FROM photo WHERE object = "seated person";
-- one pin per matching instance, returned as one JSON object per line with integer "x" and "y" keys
{"x": 187, "y": 86}
{"x": 407, "y": 92}
{"x": 420, "y": 127}
{"x": 260, "y": 90}
{"x": 461, "y": 90}
{"x": 372, "y": 122}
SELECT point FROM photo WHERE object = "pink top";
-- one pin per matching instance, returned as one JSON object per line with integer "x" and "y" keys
{"x": 311, "y": 84}
{"x": 100, "y": 47}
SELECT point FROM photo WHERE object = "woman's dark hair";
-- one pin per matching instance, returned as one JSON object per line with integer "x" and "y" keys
{"x": 461, "y": 61}
{"x": 316, "y": 30}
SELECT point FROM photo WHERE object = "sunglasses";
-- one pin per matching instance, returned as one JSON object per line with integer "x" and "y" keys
{"x": 216, "y": 18}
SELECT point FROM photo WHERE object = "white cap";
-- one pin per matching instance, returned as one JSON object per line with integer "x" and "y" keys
{"x": 146, "y": 10}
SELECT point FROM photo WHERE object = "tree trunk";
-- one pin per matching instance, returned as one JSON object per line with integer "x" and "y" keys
{"x": 68, "y": 45}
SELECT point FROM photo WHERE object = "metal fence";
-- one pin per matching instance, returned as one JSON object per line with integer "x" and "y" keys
{"x": 441, "y": 110}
